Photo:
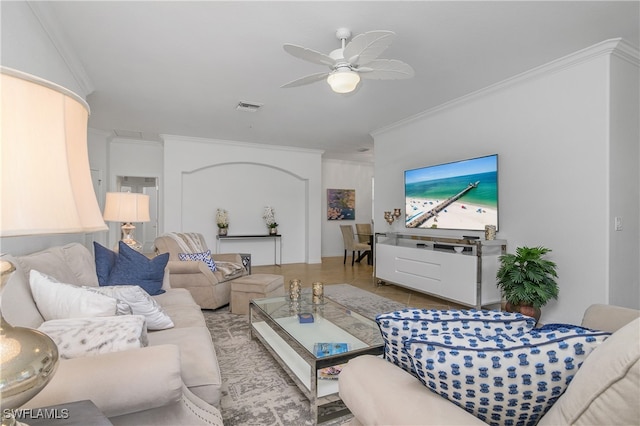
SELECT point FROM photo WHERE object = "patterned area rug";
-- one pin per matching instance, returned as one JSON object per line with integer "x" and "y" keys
{"x": 255, "y": 389}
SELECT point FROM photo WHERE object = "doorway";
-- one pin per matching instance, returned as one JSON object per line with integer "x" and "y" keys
{"x": 146, "y": 232}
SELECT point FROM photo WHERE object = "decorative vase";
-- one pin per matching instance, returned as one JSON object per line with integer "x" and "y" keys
{"x": 273, "y": 231}
{"x": 295, "y": 286}
{"x": 317, "y": 292}
{"x": 222, "y": 231}
{"x": 528, "y": 310}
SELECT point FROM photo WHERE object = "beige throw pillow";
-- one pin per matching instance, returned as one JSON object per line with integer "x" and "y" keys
{"x": 605, "y": 390}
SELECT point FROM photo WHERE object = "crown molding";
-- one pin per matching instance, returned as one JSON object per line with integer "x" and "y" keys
{"x": 44, "y": 14}
{"x": 614, "y": 47}
{"x": 178, "y": 138}
{"x": 114, "y": 140}
{"x": 627, "y": 52}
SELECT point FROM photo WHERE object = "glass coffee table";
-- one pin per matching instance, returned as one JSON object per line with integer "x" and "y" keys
{"x": 275, "y": 322}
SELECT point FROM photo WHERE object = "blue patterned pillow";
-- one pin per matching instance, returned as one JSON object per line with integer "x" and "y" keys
{"x": 399, "y": 326}
{"x": 105, "y": 261}
{"x": 204, "y": 257}
{"x": 134, "y": 268}
{"x": 503, "y": 379}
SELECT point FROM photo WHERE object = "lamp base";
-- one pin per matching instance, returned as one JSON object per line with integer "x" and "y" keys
{"x": 127, "y": 236}
{"x": 9, "y": 420}
{"x": 28, "y": 360}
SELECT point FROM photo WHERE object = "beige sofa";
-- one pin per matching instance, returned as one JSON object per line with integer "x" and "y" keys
{"x": 210, "y": 289}
{"x": 605, "y": 390}
{"x": 174, "y": 380}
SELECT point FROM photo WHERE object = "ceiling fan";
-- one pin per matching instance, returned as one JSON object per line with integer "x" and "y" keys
{"x": 354, "y": 60}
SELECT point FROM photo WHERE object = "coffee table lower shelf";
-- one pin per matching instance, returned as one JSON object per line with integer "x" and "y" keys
{"x": 323, "y": 395}
{"x": 293, "y": 361}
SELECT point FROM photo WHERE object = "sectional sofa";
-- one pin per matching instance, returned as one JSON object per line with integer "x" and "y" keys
{"x": 604, "y": 390}
{"x": 170, "y": 378}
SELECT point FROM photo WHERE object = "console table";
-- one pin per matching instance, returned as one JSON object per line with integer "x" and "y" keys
{"x": 462, "y": 270}
{"x": 277, "y": 242}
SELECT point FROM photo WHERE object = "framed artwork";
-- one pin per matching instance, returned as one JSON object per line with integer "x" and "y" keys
{"x": 341, "y": 204}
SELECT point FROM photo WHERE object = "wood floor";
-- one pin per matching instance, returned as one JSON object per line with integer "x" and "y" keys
{"x": 333, "y": 271}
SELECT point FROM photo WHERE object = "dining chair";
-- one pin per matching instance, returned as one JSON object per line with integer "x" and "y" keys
{"x": 350, "y": 244}
{"x": 363, "y": 230}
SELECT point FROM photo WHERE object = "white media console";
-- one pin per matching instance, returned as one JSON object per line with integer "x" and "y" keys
{"x": 432, "y": 265}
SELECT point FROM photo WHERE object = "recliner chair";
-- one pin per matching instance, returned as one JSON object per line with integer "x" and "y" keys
{"x": 210, "y": 289}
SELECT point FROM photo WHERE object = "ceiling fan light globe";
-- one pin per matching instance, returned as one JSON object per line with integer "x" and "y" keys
{"x": 343, "y": 81}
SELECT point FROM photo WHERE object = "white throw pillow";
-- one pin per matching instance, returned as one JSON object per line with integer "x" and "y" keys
{"x": 57, "y": 300}
{"x": 141, "y": 304}
{"x": 79, "y": 337}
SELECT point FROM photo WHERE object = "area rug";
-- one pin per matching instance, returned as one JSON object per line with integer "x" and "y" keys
{"x": 255, "y": 389}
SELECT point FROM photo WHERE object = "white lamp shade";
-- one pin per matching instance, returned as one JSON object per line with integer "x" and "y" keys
{"x": 45, "y": 178}
{"x": 126, "y": 207}
{"x": 343, "y": 80}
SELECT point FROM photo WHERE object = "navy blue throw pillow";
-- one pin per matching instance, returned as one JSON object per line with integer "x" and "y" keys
{"x": 105, "y": 261}
{"x": 134, "y": 268}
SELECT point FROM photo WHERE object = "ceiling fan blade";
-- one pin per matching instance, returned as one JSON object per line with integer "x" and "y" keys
{"x": 366, "y": 47}
{"x": 309, "y": 55}
{"x": 386, "y": 69}
{"x": 312, "y": 78}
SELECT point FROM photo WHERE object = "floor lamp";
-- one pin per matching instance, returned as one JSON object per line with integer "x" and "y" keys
{"x": 127, "y": 208}
{"x": 45, "y": 189}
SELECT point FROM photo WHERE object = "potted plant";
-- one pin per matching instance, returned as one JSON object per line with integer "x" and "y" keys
{"x": 269, "y": 217}
{"x": 527, "y": 280}
{"x": 222, "y": 220}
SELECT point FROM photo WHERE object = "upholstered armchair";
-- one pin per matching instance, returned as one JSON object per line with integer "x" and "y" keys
{"x": 192, "y": 266}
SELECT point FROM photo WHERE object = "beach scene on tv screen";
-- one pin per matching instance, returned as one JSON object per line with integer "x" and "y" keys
{"x": 460, "y": 195}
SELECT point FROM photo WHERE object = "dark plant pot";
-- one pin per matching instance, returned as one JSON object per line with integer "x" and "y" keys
{"x": 222, "y": 231}
{"x": 528, "y": 310}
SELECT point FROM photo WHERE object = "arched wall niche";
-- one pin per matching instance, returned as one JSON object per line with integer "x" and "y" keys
{"x": 244, "y": 189}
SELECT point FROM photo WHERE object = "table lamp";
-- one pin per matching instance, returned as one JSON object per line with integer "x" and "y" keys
{"x": 127, "y": 208}
{"x": 46, "y": 188}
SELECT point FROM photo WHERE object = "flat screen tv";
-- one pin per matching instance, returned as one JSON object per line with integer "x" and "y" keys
{"x": 462, "y": 195}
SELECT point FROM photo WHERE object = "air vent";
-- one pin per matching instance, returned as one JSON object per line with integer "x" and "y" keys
{"x": 248, "y": 106}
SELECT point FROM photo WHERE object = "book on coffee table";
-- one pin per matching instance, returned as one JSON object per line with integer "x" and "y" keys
{"x": 330, "y": 373}
{"x": 329, "y": 348}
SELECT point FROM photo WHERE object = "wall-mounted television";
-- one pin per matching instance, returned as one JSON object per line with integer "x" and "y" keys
{"x": 462, "y": 195}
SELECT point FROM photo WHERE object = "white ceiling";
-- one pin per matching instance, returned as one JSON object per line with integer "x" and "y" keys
{"x": 159, "y": 67}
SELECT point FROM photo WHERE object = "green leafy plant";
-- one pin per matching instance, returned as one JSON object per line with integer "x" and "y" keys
{"x": 526, "y": 278}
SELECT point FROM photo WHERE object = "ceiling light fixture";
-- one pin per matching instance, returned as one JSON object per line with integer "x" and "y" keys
{"x": 343, "y": 80}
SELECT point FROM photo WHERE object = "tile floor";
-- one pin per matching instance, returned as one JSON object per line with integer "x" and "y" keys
{"x": 333, "y": 271}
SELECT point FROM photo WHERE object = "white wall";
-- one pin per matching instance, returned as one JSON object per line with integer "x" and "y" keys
{"x": 202, "y": 175}
{"x": 267, "y": 183}
{"x": 550, "y": 128}
{"x": 624, "y": 154}
{"x": 338, "y": 174}
{"x": 98, "y": 144}
{"x": 27, "y": 47}
{"x": 131, "y": 157}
